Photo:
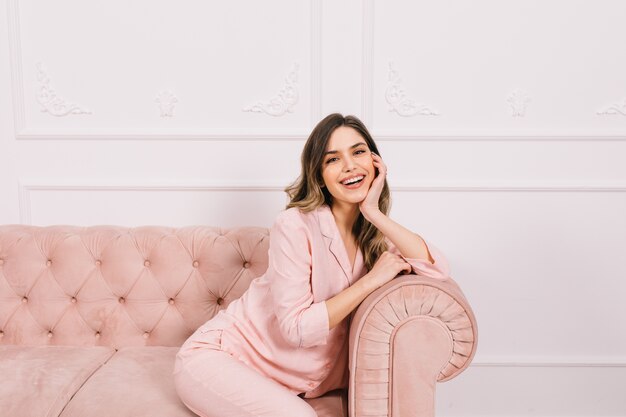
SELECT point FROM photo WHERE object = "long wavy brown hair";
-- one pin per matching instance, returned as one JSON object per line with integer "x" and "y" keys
{"x": 307, "y": 193}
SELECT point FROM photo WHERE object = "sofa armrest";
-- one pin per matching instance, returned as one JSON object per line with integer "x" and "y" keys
{"x": 405, "y": 337}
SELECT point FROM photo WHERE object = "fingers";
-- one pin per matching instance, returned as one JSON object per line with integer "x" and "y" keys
{"x": 378, "y": 163}
{"x": 400, "y": 263}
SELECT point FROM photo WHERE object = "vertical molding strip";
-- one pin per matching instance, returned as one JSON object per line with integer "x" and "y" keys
{"x": 316, "y": 62}
{"x": 15, "y": 56}
{"x": 25, "y": 203}
{"x": 367, "y": 75}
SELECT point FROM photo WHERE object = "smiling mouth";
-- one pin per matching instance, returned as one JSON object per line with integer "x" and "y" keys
{"x": 353, "y": 180}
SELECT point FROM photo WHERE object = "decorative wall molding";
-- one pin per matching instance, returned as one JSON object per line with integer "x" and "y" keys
{"x": 23, "y": 132}
{"x": 15, "y": 61}
{"x": 548, "y": 362}
{"x": 283, "y": 102}
{"x": 316, "y": 63}
{"x": 613, "y": 109}
{"x": 301, "y": 134}
{"x": 50, "y": 102}
{"x": 518, "y": 100}
{"x": 399, "y": 102}
{"x": 27, "y": 186}
{"x": 451, "y": 135}
{"x": 367, "y": 63}
{"x": 166, "y": 101}
{"x": 504, "y": 135}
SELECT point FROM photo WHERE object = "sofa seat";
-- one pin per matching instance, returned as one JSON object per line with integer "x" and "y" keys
{"x": 137, "y": 382}
{"x": 81, "y": 381}
{"x": 40, "y": 380}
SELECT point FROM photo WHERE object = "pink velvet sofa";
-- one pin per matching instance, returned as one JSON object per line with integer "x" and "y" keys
{"x": 92, "y": 317}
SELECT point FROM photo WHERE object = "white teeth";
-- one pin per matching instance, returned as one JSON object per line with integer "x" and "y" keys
{"x": 353, "y": 180}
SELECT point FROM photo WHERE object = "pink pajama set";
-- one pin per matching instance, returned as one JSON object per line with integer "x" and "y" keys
{"x": 273, "y": 343}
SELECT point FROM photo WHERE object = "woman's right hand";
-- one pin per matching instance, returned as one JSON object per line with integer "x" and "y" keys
{"x": 387, "y": 267}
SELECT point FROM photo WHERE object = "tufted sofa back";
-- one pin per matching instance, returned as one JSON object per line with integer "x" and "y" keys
{"x": 117, "y": 286}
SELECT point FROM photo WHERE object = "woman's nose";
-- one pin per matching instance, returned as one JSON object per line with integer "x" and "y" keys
{"x": 349, "y": 164}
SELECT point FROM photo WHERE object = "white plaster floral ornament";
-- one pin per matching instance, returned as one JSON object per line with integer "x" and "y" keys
{"x": 613, "y": 109}
{"x": 166, "y": 101}
{"x": 399, "y": 102}
{"x": 281, "y": 103}
{"x": 50, "y": 102}
{"x": 518, "y": 99}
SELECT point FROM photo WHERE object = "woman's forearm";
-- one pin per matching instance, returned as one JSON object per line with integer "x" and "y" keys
{"x": 342, "y": 304}
{"x": 408, "y": 243}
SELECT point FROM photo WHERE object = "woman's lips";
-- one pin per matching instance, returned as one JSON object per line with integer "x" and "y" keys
{"x": 354, "y": 186}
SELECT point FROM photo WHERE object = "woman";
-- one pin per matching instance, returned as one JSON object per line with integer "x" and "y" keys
{"x": 286, "y": 337}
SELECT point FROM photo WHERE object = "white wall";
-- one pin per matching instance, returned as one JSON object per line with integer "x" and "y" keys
{"x": 503, "y": 124}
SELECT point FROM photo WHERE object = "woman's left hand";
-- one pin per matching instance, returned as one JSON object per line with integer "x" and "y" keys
{"x": 369, "y": 205}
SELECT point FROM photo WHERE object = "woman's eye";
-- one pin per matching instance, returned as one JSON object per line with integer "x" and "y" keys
{"x": 360, "y": 151}
{"x": 330, "y": 160}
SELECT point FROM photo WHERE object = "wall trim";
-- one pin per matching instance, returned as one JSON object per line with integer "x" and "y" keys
{"x": 510, "y": 135}
{"x": 15, "y": 54}
{"x": 367, "y": 63}
{"x": 163, "y": 134}
{"x": 316, "y": 63}
{"x": 111, "y": 134}
{"x": 26, "y": 186}
{"x": 549, "y": 362}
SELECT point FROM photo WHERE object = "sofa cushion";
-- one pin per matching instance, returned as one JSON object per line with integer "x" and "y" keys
{"x": 39, "y": 380}
{"x": 138, "y": 382}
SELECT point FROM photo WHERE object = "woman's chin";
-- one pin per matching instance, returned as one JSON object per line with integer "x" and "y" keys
{"x": 352, "y": 199}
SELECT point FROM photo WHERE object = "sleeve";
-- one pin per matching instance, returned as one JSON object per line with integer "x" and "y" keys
{"x": 302, "y": 322}
{"x": 439, "y": 269}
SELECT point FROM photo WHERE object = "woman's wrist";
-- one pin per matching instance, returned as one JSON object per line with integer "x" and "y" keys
{"x": 366, "y": 285}
{"x": 372, "y": 215}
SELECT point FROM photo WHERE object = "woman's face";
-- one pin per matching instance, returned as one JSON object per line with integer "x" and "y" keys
{"x": 347, "y": 157}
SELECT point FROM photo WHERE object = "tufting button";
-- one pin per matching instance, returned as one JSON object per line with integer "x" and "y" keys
{"x": 49, "y": 262}
{"x": 24, "y": 299}
{"x": 1, "y": 333}
{"x": 171, "y": 301}
{"x": 220, "y": 301}
{"x": 195, "y": 264}
{"x": 327, "y": 366}
{"x": 146, "y": 335}
{"x": 50, "y": 334}
{"x": 311, "y": 384}
{"x": 73, "y": 299}
{"x": 97, "y": 335}
{"x": 246, "y": 264}
{"x": 146, "y": 263}
{"x": 121, "y": 300}
{"x": 98, "y": 262}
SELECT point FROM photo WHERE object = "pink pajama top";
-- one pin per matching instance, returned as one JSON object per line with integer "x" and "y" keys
{"x": 279, "y": 326}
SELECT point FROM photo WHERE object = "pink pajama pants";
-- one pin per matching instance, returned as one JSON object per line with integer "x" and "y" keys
{"x": 212, "y": 383}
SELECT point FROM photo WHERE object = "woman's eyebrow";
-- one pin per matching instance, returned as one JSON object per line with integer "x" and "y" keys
{"x": 351, "y": 147}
